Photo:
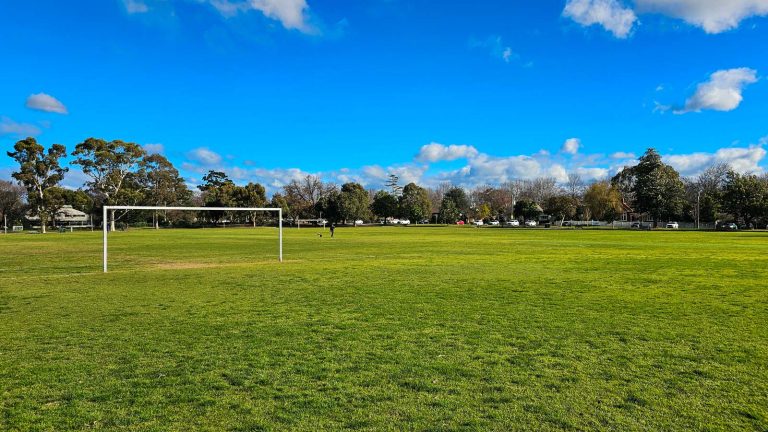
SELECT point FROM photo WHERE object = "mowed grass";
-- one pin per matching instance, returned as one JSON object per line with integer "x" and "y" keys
{"x": 388, "y": 328}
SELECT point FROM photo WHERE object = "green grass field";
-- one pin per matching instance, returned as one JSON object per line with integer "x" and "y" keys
{"x": 385, "y": 328}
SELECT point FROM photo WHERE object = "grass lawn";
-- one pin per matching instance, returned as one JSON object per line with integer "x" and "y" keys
{"x": 388, "y": 328}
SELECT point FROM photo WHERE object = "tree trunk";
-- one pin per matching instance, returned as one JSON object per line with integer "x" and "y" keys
{"x": 112, "y": 222}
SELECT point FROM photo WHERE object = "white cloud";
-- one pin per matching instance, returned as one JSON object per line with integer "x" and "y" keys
{"x": 593, "y": 173}
{"x": 610, "y": 14}
{"x": 45, "y": 102}
{"x": 741, "y": 159}
{"x": 571, "y": 146}
{"x": 722, "y": 92}
{"x": 480, "y": 168}
{"x": 154, "y": 148}
{"x": 292, "y": 14}
{"x": 135, "y": 6}
{"x": 17, "y": 130}
{"x": 435, "y": 152}
{"x": 205, "y": 156}
{"x": 496, "y": 47}
{"x": 714, "y": 16}
{"x": 623, "y": 155}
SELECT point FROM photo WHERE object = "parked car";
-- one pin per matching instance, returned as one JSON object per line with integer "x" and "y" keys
{"x": 635, "y": 225}
{"x": 673, "y": 225}
{"x": 424, "y": 221}
{"x": 460, "y": 223}
{"x": 566, "y": 223}
{"x": 404, "y": 222}
{"x": 395, "y": 221}
{"x": 514, "y": 223}
{"x": 530, "y": 223}
{"x": 359, "y": 222}
{"x": 493, "y": 222}
{"x": 478, "y": 222}
{"x": 726, "y": 226}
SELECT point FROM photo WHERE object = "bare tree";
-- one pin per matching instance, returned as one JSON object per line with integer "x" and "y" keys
{"x": 539, "y": 189}
{"x": 575, "y": 186}
{"x": 303, "y": 195}
{"x": 515, "y": 190}
{"x": 12, "y": 198}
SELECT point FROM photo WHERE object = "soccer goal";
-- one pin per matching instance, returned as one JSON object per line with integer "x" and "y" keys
{"x": 107, "y": 209}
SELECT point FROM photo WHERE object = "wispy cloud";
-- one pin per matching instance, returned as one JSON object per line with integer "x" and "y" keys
{"x": 154, "y": 148}
{"x": 292, "y": 14}
{"x": 571, "y": 146}
{"x": 609, "y": 14}
{"x": 17, "y": 130}
{"x": 135, "y": 6}
{"x": 495, "y": 47}
{"x": 45, "y": 102}
{"x": 205, "y": 157}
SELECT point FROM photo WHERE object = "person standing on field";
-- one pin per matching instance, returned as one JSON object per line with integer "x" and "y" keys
{"x": 333, "y": 227}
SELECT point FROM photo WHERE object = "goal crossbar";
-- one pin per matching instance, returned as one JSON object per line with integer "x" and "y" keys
{"x": 105, "y": 221}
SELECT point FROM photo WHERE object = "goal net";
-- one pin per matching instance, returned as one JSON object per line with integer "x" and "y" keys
{"x": 109, "y": 209}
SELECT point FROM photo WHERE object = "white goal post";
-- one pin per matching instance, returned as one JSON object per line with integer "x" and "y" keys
{"x": 279, "y": 211}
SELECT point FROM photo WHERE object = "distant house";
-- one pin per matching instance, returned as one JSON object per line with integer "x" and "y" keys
{"x": 65, "y": 216}
{"x": 628, "y": 214}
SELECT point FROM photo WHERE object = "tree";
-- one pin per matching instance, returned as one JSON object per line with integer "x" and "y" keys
{"x": 449, "y": 213}
{"x": 539, "y": 189}
{"x": 527, "y": 209}
{"x": 561, "y": 206}
{"x": 575, "y": 186}
{"x": 214, "y": 180}
{"x": 330, "y": 206}
{"x": 392, "y": 184}
{"x": 250, "y": 195}
{"x": 303, "y": 195}
{"x": 498, "y": 201}
{"x": 459, "y": 199}
{"x": 279, "y": 201}
{"x": 218, "y": 191}
{"x": 384, "y": 205}
{"x": 414, "y": 203}
{"x": 354, "y": 201}
{"x": 161, "y": 183}
{"x": 745, "y": 197}
{"x": 603, "y": 201}
{"x": 39, "y": 170}
{"x": 655, "y": 186}
{"x": 78, "y": 199}
{"x": 11, "y": 201}
{"x": 709, "y": 187}
{"x": 112, "y": 167}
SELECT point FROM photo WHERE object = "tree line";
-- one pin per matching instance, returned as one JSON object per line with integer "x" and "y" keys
{"x": 123, "y": 173}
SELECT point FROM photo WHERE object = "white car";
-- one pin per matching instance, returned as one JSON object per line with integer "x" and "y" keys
{"x": 493, "y": 223}
{"x": 673, "y": 225}
{"x": 394, "y": 221}
{"x": 404, "y": 222}
{"x": 478, "y": 222}
{"x": 514, "y": 223}
{"x": 530, "y": 223}
{"x": 359, "y": 222}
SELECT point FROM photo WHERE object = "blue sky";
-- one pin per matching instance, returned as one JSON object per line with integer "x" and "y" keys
{"x": 269, "y": 90}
